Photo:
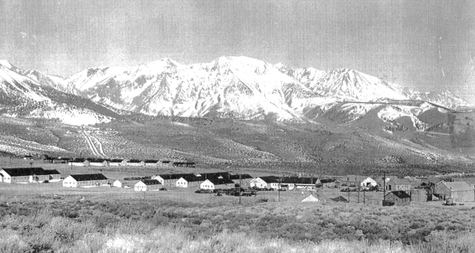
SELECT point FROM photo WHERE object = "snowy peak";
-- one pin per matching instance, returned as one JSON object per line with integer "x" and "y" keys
{"x": 6, "y": 64}
{"x": 349, "y": 84}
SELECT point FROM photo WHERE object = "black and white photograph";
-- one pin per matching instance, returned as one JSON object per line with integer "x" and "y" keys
{"x": 237, "y": 126}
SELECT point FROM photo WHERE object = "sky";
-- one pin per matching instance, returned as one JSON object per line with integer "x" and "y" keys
{"x": 427, "y": 45}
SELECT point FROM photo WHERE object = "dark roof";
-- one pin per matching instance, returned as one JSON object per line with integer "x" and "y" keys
{"x": 192, "y": 178}
{"x": 25, "y": 171}
{"x": 96, "y": 160}
{"x": 116, "y": 160}
{"x": 151, "y": 161}
{"x": 51, "y": 172}
{"x": 339, "y": 199}
{"x": 134, "y": 161}
{"x": 299, "y": 180}
{"x": 174, "y": 176}
{"x": 270, "y": 179}
{"x": 214, "y": 175}
{"x": 77, "y": 160}
{"x": 218, "y": 181}
{"x": 88, "y": 177}
{"x": 400, "y": 194}
{"x": 150, "y": 181}
{"x": 243, "y": 176}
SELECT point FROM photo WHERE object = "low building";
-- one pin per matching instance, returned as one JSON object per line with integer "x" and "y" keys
{"x": 98, "y": 162}
{"x": 118, "y": 184}
{"x": 419, "y": 195}
{"x": 135, "y": 163}
{"x": 82, "y": 162}
{"x": 300, "y": 183}
{"x": 24, "y": 175}
{"x": 147, "y": 185}
{"x": 188, "y": 181}
{"x": 398, "y": 184}
{"x": 54, "y": 175}
{"x": 184, "y": 164}
{"x": 116, "y": 162}
{"x": 456, "y": 191}
{"x": 397, "y": 198}
{"x": 217, "y": 183}
{"x": 85, "y": 180}
{"x": 269, "y": 182}
{"x": 151, "y": 163}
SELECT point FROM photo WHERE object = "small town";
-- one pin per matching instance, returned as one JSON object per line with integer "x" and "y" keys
{"x": 385, "y": 190}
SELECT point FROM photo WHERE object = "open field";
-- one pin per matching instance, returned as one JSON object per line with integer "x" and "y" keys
{"x": 122, "y": 219}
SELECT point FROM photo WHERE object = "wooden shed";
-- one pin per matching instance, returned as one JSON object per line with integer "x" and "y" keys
{"x": 398, "y": 198}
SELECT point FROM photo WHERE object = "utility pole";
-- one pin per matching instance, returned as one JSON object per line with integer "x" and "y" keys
{"x": 239, "y": 189}
{"x": 364, "y": 197}
{"x": 384, "y": 187}
{"x": 356, "y": 179}
{"x": 278, "y": 190}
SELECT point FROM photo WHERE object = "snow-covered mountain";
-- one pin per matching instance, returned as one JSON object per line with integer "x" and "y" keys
{"x": 236, "y": 87}
{"x": 241, "y": 87}
{"x": 22, "y": 95}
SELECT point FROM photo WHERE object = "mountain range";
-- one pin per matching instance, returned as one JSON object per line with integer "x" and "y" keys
{"x": 238, "y": 88}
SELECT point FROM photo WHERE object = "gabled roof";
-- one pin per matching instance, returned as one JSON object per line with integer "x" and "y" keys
{"x": 77, "y": 160}
{"x": 356, "y": 178}
{"x": 96, "y": 160}
{"x": 400, "y": 194}
{"x": 214, "y": 175}
{"x": 25, "y": 171}
{"x": 457, "y": 186}
{"x": 52, "y": 172}
{"x": 192, "y": 178}
{"x": 243, "y": 176}
{"x": 150, "y": 181}
{"x": 310, "y": 198}
{"x": 399, "y": 181}
{"x": 468, "y": 180}
{"x": 270, "y": 179}
{"x": 219, "y": 181}
{"x": 174, "y": 176}
{"x": 299, "y": 180}
{"x": 88, "y": 177}
{"x": 151, "y": 161}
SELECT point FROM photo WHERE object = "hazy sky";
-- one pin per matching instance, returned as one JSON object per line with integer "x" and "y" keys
{"x": 422, "y": 44}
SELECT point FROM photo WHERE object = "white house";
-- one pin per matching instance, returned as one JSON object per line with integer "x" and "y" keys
{"x": 216, "y": 183}
{"x": 368, "y": 182}
{"x": 85, "y": 180}
{"x": 147, "y": 185}
{"x": 265, "y": 182}
{"x": 118, "y": 184}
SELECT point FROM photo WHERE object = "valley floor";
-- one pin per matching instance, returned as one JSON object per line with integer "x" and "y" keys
{"x": 50, "y": 218}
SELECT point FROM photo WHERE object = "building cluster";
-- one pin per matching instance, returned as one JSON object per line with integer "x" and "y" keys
{"x": 397, "y": 191}
{"x": 104, "y": 162}
{"x": 402, "y": 191}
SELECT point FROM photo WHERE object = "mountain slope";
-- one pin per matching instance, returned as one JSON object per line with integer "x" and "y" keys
{"x": 241, "y": 88}
{"x": 22, "y": 96}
